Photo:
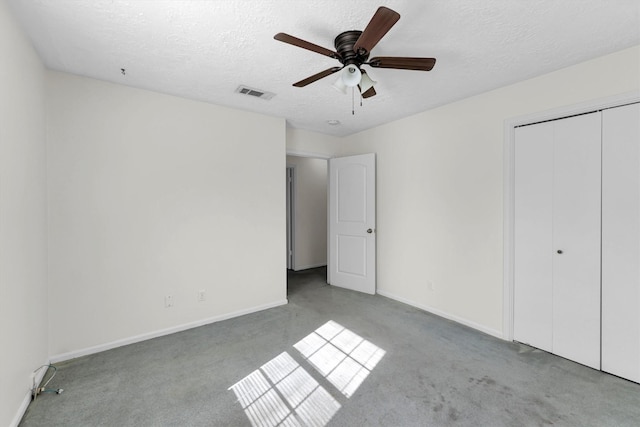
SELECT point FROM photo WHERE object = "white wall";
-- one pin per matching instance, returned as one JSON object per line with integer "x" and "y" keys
{"x": 440, "y": 188}
{"x": 304, "y": 143}
{"x": 153, "y": 195}
{"x": 310, "y": 216}
{"x": 23, "y": 292}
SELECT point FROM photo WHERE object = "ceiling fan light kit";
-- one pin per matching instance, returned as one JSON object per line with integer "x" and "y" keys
{"x": 352, "y": 50}
{"x": 351, "y": 75}
{"x": 366, "y": 83}
{"x": 340, "y": 86}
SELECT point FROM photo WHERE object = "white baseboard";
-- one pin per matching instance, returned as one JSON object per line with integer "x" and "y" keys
{"x": 162, "y": 332}
{"x": 27, "y": 399}
{"x": 306, "y": 267}
{"x": 466, "y": 322}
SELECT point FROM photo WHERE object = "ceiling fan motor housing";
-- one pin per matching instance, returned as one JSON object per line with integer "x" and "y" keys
{"x": 344, "y": 46}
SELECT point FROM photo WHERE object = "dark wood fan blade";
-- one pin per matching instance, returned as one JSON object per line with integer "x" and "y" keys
{"x": 286, "y": 38}
{"x": 369, "y": 93}
{"x": 401, "y": 63}
{"x": 380, "y": 24}
{"x": 316, "y": 77}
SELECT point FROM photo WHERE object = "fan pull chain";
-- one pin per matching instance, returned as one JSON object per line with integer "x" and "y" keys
{"x": 353, "y": 97}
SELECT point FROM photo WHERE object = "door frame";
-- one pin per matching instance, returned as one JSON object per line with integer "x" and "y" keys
{"x": 291, "y": 217}
{"x": 509, "y": 184}
{"x": 308, "y": 154}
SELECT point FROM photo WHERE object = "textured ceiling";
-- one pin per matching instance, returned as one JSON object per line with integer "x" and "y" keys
{"x": 204, "y": 49}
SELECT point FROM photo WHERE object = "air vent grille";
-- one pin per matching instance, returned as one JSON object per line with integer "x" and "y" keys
{"x": 257, "y": 93}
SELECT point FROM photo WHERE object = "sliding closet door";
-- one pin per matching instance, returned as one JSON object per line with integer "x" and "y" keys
{"x": 621, "y": 242}
{"x": 576, "y": 238}
{"x": 533, "y": 239}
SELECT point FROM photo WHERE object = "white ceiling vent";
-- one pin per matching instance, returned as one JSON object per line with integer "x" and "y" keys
{"x": 246, "y": 90}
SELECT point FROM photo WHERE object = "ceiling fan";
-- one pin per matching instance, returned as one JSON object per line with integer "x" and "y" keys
{"x": 352, "y": 50}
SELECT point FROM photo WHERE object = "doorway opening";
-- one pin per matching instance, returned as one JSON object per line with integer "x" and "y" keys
{"x": 306, "y": 208}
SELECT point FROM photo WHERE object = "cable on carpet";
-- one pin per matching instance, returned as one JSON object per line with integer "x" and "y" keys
{"x": 36, "y": 390}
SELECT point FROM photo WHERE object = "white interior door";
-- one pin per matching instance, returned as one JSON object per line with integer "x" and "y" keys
{"x": 532, "y": 304}
{"x": 352, "y": 223}
{"x": 621, "y": 241}
{"x": 576, "y": 238}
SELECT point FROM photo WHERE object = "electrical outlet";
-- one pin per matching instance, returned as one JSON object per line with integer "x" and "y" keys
{"x": 201, "y": 295}
{"x": 168, "y": 301}
{"x": 431, "y": 286}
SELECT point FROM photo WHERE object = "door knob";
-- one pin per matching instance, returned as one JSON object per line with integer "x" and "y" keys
{"x": 559, "y": 251}
{"x": 369, "y": 230}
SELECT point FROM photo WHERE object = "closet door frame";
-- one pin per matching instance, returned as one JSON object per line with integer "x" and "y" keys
{"x": 509, "y": 187}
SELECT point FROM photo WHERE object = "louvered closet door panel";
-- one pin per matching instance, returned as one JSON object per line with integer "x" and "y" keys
{"x": 621, "y": 241}
{"x": 533, "y": 242}
{"x": 576, "y": 234}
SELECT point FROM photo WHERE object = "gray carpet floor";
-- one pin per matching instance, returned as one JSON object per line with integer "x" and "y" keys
{"x": 337, "y": 358}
